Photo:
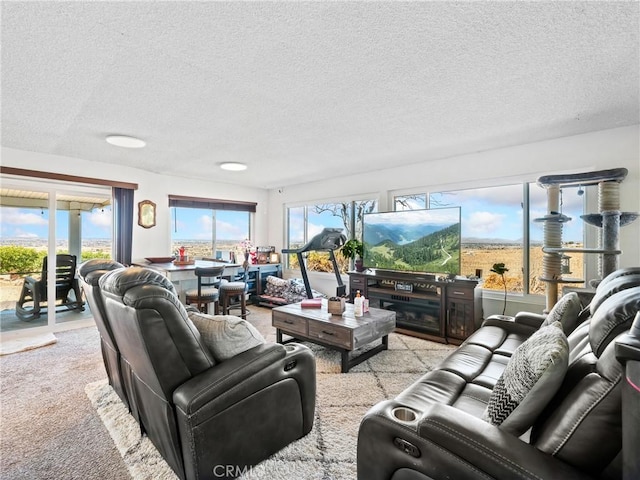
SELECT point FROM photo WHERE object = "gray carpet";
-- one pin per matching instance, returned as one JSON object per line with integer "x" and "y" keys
{"x": 48, "y": 427}
{"x": 65, "y": 418}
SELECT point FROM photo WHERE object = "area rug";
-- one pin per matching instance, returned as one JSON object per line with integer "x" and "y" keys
{"x": 329, "y": 450}
{"x": 21, "y": 344}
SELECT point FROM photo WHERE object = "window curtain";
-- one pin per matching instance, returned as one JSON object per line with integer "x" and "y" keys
{"x": 123, "y": 224}
{"x": 211, "y": 204}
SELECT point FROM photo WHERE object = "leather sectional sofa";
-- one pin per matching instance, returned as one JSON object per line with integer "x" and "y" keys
{"x": 435, "y": 429}
{"x": 208, "y": 418}
{"x": 89, "y": 274}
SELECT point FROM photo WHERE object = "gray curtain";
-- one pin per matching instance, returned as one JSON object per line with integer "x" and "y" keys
{"x": 123, "y": 224}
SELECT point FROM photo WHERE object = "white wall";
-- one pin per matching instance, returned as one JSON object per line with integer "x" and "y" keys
{"x": 600, "y": 150}
{"x": 156, "y": 241}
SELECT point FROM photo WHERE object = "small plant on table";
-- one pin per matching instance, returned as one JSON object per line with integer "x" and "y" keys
{"x": 353, "y": 249}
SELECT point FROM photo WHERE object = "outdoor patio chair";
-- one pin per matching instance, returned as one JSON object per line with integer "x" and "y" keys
{"x": 35, "y": 291}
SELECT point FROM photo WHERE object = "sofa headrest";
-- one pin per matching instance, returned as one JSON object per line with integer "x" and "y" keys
{"x": 621, "y": 272}
{"x": 118, "y": 282}
{"x": 613, "y": 317}
{"x": 613, "y": 286}
{"x": 91, "y": 270}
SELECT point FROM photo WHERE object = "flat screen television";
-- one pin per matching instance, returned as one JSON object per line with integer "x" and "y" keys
{"x": 425, "y": 241}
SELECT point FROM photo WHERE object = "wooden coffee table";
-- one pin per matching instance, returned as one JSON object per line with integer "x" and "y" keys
{"x": 344, "y": 333}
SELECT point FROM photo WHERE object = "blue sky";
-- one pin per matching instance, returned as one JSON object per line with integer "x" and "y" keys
{"x": 30, "y": 223}
{"x": 489, "y": 213}
{"x": 196, "y": 224}
{"x": 193, "y": 224}
{"x": 497, "y": 212}
{"x": 486, "y": 213}
{"x": 316, "y": 221}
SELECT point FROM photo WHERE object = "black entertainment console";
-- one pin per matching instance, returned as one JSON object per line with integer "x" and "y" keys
{"x": 426, "y": 306}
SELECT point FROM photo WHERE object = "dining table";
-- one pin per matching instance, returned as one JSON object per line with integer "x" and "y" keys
{"x": 182, "y": 274}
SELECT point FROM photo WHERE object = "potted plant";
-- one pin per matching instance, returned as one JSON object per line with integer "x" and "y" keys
{"x": 500, "y": 269}
{"x": 354, "y": 249}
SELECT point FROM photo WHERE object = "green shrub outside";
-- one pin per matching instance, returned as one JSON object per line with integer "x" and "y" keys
{"x": 17, "y": 260}
{"x": 91, "y": 255}
{"x": 20, "y": 260}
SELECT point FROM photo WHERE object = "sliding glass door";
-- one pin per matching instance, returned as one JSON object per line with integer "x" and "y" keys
{"x": 25, "y": 244}
{"x": 47, "y": 231}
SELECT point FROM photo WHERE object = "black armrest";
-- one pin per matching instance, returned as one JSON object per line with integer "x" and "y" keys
{"x": 529, "y": 318}
{"x": 219, "y": 379}
{"x": 235, "y": 379}
{"x": 512, "y": 324}
{"x": 488, "y": 448}
{"x": 444, "y": 442}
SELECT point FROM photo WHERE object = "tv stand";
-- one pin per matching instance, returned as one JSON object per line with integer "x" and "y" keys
{"x": 437, "y": 309}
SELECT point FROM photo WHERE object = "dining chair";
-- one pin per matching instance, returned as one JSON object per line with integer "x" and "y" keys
{"x": 207, "y": 292}
{"x": 234, "y": 294}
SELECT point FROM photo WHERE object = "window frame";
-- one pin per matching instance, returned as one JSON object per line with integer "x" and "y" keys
{"x": 213, "y": 206}
{"x": 526, "y": 221}
{"x": 305, "y": 205}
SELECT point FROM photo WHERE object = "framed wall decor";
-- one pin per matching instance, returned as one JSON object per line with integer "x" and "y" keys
{"x": 146, "y": 214}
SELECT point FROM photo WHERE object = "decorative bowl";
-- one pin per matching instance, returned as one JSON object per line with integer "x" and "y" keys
{"x": 160, "y": 259}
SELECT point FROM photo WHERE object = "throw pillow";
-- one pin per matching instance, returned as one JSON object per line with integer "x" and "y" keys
{"x": 566, "y": 311}
{"x": 529, "y": 381}
{"x": 225, "y": 335}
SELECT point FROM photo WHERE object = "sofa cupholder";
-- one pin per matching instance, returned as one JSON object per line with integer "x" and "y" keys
{"x": 289, "y": 348}
{"x": 404, "y": 414}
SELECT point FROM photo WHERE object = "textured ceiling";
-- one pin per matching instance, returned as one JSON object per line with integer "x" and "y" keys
{"x": 302, "y": 90}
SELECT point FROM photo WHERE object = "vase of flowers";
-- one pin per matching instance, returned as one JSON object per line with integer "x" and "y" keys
{"x": 243, "y": 250}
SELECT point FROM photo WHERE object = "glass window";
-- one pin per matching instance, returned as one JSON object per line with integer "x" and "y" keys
{"x": 296, "y": 233}
{"x": 410, "y": 202}
{"x": 82, "y": 223}
{"x": 307, "y": 221}
{"x": 207, "y": 233}
{"x": 493, "y": 231}
{"x": 362, "y": 207}
{"x": 96, "y": 232}
{"x": 571, "y": 205}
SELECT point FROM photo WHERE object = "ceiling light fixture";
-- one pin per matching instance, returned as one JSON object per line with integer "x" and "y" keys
{"x": 233, "y": 166}
{"x": 125, "y": 141}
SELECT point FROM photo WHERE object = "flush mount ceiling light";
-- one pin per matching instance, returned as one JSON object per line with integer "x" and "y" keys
{"x": 233, "y": 166}
{"x": 125, "y": 141}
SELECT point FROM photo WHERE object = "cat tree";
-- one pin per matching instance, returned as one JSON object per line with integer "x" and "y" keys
{"x": 609, "y": 219}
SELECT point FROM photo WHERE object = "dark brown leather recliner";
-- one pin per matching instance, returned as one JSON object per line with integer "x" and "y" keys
{"x": 577, "y": 435}
{"x": 207, "y": 419}
{"x": 89, "y": 273}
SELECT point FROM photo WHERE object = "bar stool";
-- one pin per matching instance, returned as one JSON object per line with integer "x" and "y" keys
{"x": 206, "y": 293}
{"x": 234, "y": 294}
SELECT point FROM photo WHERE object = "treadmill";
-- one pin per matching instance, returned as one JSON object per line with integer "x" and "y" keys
{"x": 328, "y": 240}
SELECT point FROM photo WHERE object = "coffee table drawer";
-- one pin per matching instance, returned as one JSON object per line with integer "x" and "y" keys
{"x": 331, "y": 334}
{"x": 290, "y": 325}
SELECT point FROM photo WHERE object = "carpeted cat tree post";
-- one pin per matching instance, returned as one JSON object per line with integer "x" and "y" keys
{"x": 609, "y": 219}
